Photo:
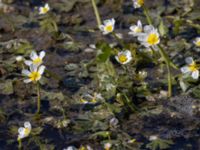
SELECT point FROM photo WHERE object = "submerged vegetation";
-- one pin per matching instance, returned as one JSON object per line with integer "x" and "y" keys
{"x": 99, "y": 75}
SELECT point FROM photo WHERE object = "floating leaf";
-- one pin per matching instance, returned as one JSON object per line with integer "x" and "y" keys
{"x": 159, "y": 144}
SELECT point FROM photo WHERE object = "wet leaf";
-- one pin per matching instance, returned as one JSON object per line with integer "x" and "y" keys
{"x": 53, "y": 95}
{"x": 162, "y": 28}
{"x": 159, "y": 144}
{"x": 6, "y": 87}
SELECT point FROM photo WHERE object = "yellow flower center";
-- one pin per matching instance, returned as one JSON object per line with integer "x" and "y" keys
{"x": 37, "y": 61}
{"x": 45, "y": 10}
{"x": 122, "y": 58}
{"x": 140, "y": 2}
{"x": 109, "y": 28}
{"x": 26, "y": 131}
{"x": 82, "y": 148}
{"x": 193, "y": 67}
{"x": 34, "y": 76}
{"x": 138, "y": 30}
{"x": 152, "y": 39}
{"x": 198, "y": 43}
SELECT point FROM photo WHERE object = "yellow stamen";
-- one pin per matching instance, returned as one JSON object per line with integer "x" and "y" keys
{"x": 140, "y": 2}
{"x": 193, "y": 67}
{"x": 37, "y": 61}
{"x": 109, "y": 28}
{"x": 153, "y": 39}
{"x": 34, "y": 76}
{"x": 26, "y": 131}
{"x": 138, "y": 30}
{"x": 44, "y": 10}
{"x": 122, "y": 58}
{"x": 197, "y": 43}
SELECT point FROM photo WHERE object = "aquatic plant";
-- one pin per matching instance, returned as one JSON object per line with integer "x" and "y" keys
{"x": 191, "y": 68}
{"x": 124, "y": 57}
{"x": 35, "y": 72}
{"x": 136, "y": 29}
{"x": 23, "y": 132}
{"x": 44, "y": 9}
{"x": 108, "y": 27}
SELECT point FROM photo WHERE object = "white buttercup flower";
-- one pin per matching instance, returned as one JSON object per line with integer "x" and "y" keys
{"x": 138, "y": 3}
{"x": 124, "y": 57}
{"x": 136, "y": 29}
{"x": 197, "y": 41}
{"x": 108, "y": 26}
{"x": 191, "y": 68}
{"x": 44, "y": 9}
{"x": 35, "y": 58}
{"x": 150, "y": 37}
{"x": 107, "y": 146}
{"x": 34, "y": 74}
{"x": 24, "y": 131}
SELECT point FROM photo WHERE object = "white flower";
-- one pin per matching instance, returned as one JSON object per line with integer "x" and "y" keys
{"x": 35, "y": 58}
{"x": 44, "y": 9}
{"x": 114, "y": 122}
{"x": 197, "y": 41}
{"x": 124, "y": 57}
{"x": 34, "y": 74}
{"x": 136, "y": 29}
{"x": 107, "y": 146}
{"x": 19, "y": 58}
{"x": 24, "y": 131}
{"x": 191, "y": 68}
{"x": 138, "y": 3}
{"x": 150, "y": 37}
{"x": 70, "y": 148}
{"x": 153, "y": 138}
{"x": 108, "y": 26}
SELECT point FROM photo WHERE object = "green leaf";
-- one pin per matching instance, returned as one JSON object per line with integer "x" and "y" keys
{"x": 105, "y": 52}
{"x": 159, "y": 144}
{"x": 162, "y": 29}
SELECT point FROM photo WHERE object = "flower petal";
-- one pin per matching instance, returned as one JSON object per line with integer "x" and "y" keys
{"x": 41, "y": 69}
{"x": 42, "y": 54}
{"x": 27, "y": 80}
{"x": 185, "y": 69}
{"x": 113, "y": 21}
{"x": 127, "y": 53}
{"x": 28, "y": 62}
{"x": 33, "y": 55}
{"x": 26, "y": 72}
{"x": 101, "y": 27}
{"x": 139, "y": 24}
{"x": 33, "y": 68}
{"x": 195, "y": 74}
{"x": 189, "y": 60}
{"x": 47, "y": 6}
{"x": 148, "y": 28}
{"x": 27, "y": 124}
{"x": 21, "y": 130}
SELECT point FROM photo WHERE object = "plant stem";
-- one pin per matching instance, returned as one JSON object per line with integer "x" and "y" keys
{"x": 19, "y": 144}
{"x": 98, "y": 18}
{"x": 166, "y": 59}
{"x": 146, "y": 13}
{"x": 38, "y": 98}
